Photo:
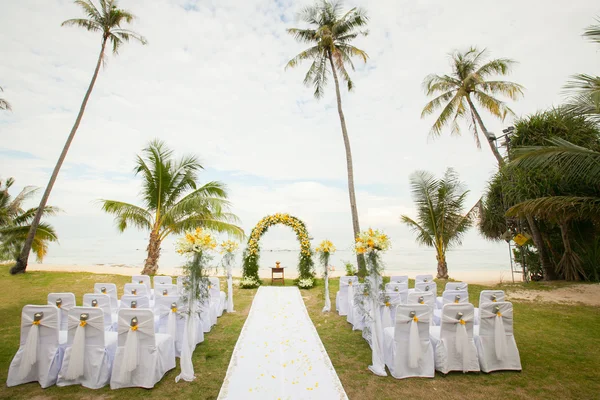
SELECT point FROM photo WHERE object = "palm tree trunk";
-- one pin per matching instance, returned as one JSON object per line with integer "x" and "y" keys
{"x": 538, "y": 241}
{"x": 21, "y": 264}
{"x": 570, "y": 263}
{"x": 486, "y": 133}
{"x": 442, "y": 267}
{"x": 362, "y": 271}
{"x": 151, "y": 262}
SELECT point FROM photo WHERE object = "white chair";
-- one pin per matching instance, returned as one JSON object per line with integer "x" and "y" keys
{"x": 423, "y": 278}
{"x": 135, "y": 289}
{"x": 172, "y": 320}
{"x": 494, "y": 339}
{"x": 456, "y": 286}
{"x": 399, "y": 279}
{"x": 90, "y": 350}
{"x": 422, "y": 298}
{"x": 341, "y": 297}
{"x": 41, "y": 348}
{"x": 143, "y": 356}
{"x": 111, "y": 290}
{"x": 392, "y": 299}
{"x": 143, "y": 280}
{"x": 218, "y": 297}
{"x": 426, "y": 287}
{"x": 396, "y": 287}
{"x": 163, "y": 280}
{"x": 165, "y": 289}
{"x": 131, "y": 301}
{"x": 488, "y": 296}
{"x": 453, "y": 341}
{"x": 102, "y": 301}
{"x": 450, "y": 297}
{"x": 64, "y": 301}
{"x": 407, "y": 347}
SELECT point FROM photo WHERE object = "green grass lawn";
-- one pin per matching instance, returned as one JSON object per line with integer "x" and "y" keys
{"x": 559, "y": 345}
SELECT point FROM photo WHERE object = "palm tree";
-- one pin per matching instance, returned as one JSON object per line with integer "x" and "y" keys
{"x": 467, "y": 82}
{"x": 168, "y": 205}
{"x": 107, "y": 20}
{"x": 440, "y": 221}
{"x": 592, "y": 32}
{"x": 4, "y": 105}
{"x": 15, "y": 224}
{"x": 330, "y": 36}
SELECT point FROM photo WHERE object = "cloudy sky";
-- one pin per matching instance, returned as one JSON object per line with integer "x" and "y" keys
{"x": 211, "y": 81}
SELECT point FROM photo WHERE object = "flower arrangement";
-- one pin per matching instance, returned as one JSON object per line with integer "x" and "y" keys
{"x": 306, "y": 283}
{"x": 195, "y": 241}
{"x": 326, "y": 247}
{"x": 229, "y": 246}
{"x": 371, "y": 240}
{"x": 249, "y": 282}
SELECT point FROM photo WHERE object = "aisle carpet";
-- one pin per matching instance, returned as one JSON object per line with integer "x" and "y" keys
{"x": 279, "y": 354}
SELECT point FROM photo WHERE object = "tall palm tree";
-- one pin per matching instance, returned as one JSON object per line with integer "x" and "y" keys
{"x": 440, "y": 220}
{"x": 168, "y": 204}
{"x": 4, "y": 105}
{"x": 107, "y": 20}
{"x": 15, "y": 223}
{"x": 330, "y": 36}
{"x": 469, "y": 81}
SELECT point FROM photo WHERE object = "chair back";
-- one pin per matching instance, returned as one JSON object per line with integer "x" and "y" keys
{"x": 101, "y": 301}
{"x": 94, "y": 326}
{"x": 159, "y": 290}
{"x": 395, "y": 298}
{"x": 162, "y": 305}
{"x": 346, "y": 281}
{"x": 111, "y": 290}
{"x": 488, "y": 312}
{"x": 49, "y": 323}
{"x": 64, "y": 301}
{"x": 452, "y": 314}
{"x": 405, "y": 314}
{"x": 396, "y": 287}
{"x": 399, "y": 279}
{"x": 491, "y": 296}
{"x": 427, "y": 298}
{"x": 142, "y": 280}
{"x": 140, "y": 301}
{"x": 426, "y": 287}
{"x": 455, "y": 297}
{"x": 139, "y": 290}
{"x": 144, "y": 330}
{"x": 162, "y": 280}
{"x": 456, "y": 286}
{"x": 423, "y": 278}
{"x": 214, "y": 286}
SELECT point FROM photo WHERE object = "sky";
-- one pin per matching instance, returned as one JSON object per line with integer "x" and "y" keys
{"x": 212, "y": 82}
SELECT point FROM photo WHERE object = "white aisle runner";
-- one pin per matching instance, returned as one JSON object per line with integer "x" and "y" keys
{"x": 279, "y": 354}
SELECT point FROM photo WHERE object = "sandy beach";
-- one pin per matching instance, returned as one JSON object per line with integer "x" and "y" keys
{"x": 483, "y": 277}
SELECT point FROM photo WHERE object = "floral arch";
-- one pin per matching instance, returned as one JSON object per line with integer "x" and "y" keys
{"x": 252, "y": 253}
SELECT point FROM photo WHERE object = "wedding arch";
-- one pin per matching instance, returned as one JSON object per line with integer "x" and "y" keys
{"x": 252, "y": 253}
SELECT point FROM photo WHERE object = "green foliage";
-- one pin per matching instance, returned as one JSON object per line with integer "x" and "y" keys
{"x": 250, "y": 266}
{"x": 15, "y": 222}
{"x": 350, "y": 268}
{"x": 331, "y": 34}
{"x": 468, "y": 81}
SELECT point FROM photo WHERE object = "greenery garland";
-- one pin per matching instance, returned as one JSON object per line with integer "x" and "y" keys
{"x": 251, "y": 254}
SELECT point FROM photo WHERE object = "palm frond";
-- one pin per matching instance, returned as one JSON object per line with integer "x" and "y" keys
{"x": 592, "y": 32}
{"x": 509, "y": 89}
{"x": 555, "y": 208}
{"x": 127, "y": 214}
{"x": 423, "y": 237}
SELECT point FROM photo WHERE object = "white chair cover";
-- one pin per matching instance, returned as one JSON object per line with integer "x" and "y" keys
{"x": 142, "y": 301}
{"x": 359, "y": 306}
{"x": 426, "y": 287}
{"x": 495, "y": 342}
{"x": 399, "y": 279}
{"x": 159, "y": 290}
{"x": 408, "y": 349}
{"x": 111, "y": 290}
{"x": 218, "y": 297}
{"x": 172, "y": 321}
{"x": 142, "y": 357}
{"x": 65, "y": 302}
{"x": 453, "y": 340}
{"x": 450, "y": 297}
{"x": 388, "y": 308}
{"x": 423, "y": 278}
{"x": 101, "y": 301}
{"x": 396, "y": 287}
{"x": 488, "y": 296}
{"x": 342, "y": 297}
{"x": 422, "y": 298}
{"x": 143, "y": 280}
{"x": 163, "y": 280}
{"x": 41, "y": 349}
{"x": 456, "y": 286}
{"x": 139, "y": 290}
{"x": 90, "y": 350}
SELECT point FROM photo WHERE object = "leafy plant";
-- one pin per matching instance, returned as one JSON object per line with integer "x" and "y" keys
{"x": 350, "y": 268}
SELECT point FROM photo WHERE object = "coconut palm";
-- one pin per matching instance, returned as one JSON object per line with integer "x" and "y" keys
{"x": 440, "y": 220}
{"x": 172, "y": 201}
{"x": 15, "y": 223}
{"x": 330, "y": 36}
{"x": 106, "y": 20}
{"x": 4, "y": 105}
{"x": 468, "y": 82}
{"x": 583, "y": 96}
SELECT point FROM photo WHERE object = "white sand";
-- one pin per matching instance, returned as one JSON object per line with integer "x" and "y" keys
{"x": 481, "y": 277}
